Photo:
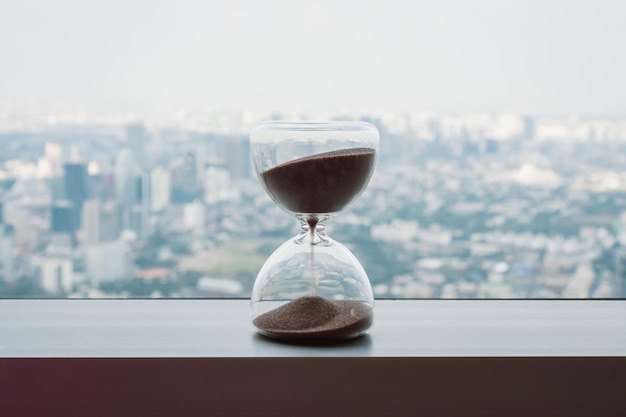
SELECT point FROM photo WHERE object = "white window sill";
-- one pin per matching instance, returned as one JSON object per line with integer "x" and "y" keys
{"x": 421, "y": 357}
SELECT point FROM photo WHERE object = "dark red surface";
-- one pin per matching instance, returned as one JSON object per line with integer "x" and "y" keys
{"x": 313, "y": 387}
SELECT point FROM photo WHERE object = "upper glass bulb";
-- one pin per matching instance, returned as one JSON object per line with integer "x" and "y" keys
{"x": 314, "y": 169}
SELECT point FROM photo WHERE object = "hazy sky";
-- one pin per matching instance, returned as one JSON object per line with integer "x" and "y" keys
{"x": 523, "y": 56}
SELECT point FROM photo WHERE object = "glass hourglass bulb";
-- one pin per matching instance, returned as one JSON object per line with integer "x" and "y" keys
{"x": 312, "y": 286}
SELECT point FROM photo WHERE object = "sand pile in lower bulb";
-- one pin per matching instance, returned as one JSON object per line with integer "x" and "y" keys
{"x": 315, "y": 317}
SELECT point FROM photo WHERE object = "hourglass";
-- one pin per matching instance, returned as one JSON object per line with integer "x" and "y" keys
{"x": 313, "y": 287}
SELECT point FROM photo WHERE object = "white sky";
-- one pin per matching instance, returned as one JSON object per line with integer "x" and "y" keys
{"x": 521, "y": 56}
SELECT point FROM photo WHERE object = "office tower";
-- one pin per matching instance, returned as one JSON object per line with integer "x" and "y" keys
{"x": 6, "y": 247}
{"x": 184, "y": 179}
{"x": 100, "y": 222}
{"x": 140, "y": 210}
{"x": 160, "y": 182}
{"x": 75, "y": 186}
{"x": 132, "y": 193}
{"x": 138, "y": 221}
{"x": 108, "y": 183}
{"x": 217, "y": 186}
{"x": 91, "y": 222}
{"x": 126, "y": 171}
{"x": 44, "y": 168}
{"x": 98, "y": 187}
{"x": 621, "y": 228}
{"x": 134, "y": 213}
{"x": 53, "y": 155}
{"x": 75, "y": 183}
{"x": 56, "y": 187}
{"x": 24, "y": 229}
{"x": 141, "y": 189}
{"x": 201, "y": 157}
{"x": 235, "y": 156}
{"x": 56, "y": 274}
{"x": 619, "y": 283}
{"x": 62, "y": 218}
{"x": 109, "y": 223}
{"x": 106, "y": 262}
{"x": 7, "y": 263}
{"x": 194, "y": 217}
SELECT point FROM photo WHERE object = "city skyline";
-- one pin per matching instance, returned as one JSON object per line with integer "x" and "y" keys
{"x": 501, "y": 206}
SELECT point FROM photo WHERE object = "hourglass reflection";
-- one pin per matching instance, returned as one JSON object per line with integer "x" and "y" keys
{"x": 313, "y": 287}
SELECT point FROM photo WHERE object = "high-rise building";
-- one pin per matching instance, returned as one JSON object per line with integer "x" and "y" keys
{"x": 109, "y": 223}
{"x": 53, "y": 155}
{"x": 25, "y": 231}
{"x": 56, "y": 274}
{"x": 139, "y": 212}
{"x": 138, "y": 219}
{"x": 194, "y": 217}
{"x": 217, "y": 185}
{"x": 126, "y": 172}
{"x": 109, "y": 186}
{"x": 160, "y": 182}
{"x": 7, "y": 262}
{"x": 106, "y": 262}
{"x": 132, "y": 189}
{"x": 620, "y": 272}
{"x": 76, "y": 187}
{"x": 621, "y": 228}
{"x": 91, "y": 222}
{"x": 235, "y": 154}
{"x": 75, "y": 182}
{"x": 97, "y": 186}
{"x": 62, "y": 218}
{"x": 184, "y": 179}
{"x": 141, "y": 189}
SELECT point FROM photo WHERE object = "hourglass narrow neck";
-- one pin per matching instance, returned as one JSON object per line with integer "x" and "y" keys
{"x": 313, "y": 230}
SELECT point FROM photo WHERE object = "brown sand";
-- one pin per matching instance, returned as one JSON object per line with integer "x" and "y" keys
{"x": 314, "y": 317}
{"x": 321, "y": 183}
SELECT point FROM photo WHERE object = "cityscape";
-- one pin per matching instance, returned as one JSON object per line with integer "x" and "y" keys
{"x": 479, "y": 205}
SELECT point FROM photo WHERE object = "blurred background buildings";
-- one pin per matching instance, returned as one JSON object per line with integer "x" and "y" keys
{"x": 461, "y": 205}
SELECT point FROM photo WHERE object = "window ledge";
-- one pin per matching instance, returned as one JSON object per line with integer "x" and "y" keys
{"x": 427, "y": 357}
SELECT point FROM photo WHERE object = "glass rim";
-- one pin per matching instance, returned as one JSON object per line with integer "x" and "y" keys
{"x": 314, "y": 125}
